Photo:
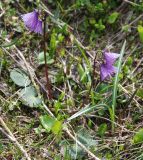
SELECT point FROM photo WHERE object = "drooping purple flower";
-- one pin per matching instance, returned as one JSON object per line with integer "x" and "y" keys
{"x": 110, "y": 58}
{"x": 38, "y": 28}
{"x": 32, "y": 22}
{"x": 30, "y": 19}
{"x": 107, "y": 69}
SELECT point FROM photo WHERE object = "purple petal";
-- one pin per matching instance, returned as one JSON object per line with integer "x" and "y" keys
{"x": 38, "y": 28}
{"x": 110, "y": 58}
{"x": 30, "y": 20}
{"x": 106, "y": 71}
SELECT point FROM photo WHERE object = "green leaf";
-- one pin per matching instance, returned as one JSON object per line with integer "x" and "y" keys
{"x": 57, "y": 106}
{"x": 129, "y": 61}
{"x": 29, "y": 96}
{"x": 113, "y": 17}
{"x": 83, "y": 54}
{"x": 103, "y": 88}
{"x": 38, "y": 130}
{"x": 47, "y": 122}
{"x": 140, "y": 93}
{"x": 53, "y": 44}
{"x": 82, "y": 73}
{"x": 1, "y": 53}
{"x": 138, "y": 137}
{"x": 51, "y": 124}
{"x": 100, "y": 26}
{"x": 126, "y": 28}
{"x": 57, "y": 126}
{"x": 10, "y": 43}
{"x": 1, "y": 147}
{"x": 92, "y": 21}
{"x": 84, "y": 136}
{"x": 102, "y": 129}
{"x": 19, "y": 77}
{"x": 115, "y": 87}
{"x": 74, "y": 151}
{"x": 57, "y": 157}
{"x": 85, "y": 111}
{"x": 140, "y": 31}
{"x": 41, "y": 59}
{"x": 82, "y": 2}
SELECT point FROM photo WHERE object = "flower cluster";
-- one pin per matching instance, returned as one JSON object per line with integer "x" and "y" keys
{"x": 32, "y": 22}
{"x": 107, "y": 69}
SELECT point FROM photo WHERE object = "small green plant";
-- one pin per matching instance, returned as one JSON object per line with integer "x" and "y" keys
{"x": 138, "y": 137}
{"x": 113, "y": 17}
{"x": 50, "y": 124}
{"x": 140, "y": 31}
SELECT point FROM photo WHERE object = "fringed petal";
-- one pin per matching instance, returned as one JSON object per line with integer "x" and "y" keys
{"x": 106, "y": 71}
{"x": 110, "y": 58}
{"x": 30, "y": 20}
{"x": 38, "y": 28}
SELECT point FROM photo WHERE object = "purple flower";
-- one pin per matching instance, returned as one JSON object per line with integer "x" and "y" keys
{"x": 110, "y": 58}
{"x": 107, "y": 69}
{"x": 32, "y": 22}
{"x": 38, "y": 28}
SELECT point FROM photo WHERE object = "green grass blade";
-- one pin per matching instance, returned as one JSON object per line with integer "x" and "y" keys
{"x": 83, "y": 54}
{"x": 10, "y": 44}
{"x": 115, "y": 87}
{"x": 85, "y": 110}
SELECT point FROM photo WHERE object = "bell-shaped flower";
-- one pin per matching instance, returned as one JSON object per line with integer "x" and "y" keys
{"x": 32, "y": 22}
{"x": 107, "y": 69}
{"x": 38, "y": 28}
{"x": 110, "y": 58}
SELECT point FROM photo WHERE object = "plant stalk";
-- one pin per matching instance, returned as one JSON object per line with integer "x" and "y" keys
{"x": 45, "y": 59}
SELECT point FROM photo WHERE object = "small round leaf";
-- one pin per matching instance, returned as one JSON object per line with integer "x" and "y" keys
{"x": 19, "y": 77}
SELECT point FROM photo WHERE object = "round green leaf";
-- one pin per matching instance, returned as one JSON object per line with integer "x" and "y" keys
{"x": 138, "y": 137}
{"x": 47, "y": 122}
{"x": 113, "y": 17}
{"x": 41, "y": 58}
{"x": 19, "y": 77}
{"x": 29, "y": 96}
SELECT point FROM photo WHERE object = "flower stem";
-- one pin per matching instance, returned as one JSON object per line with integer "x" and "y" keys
{"x": 45, "y": 59}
